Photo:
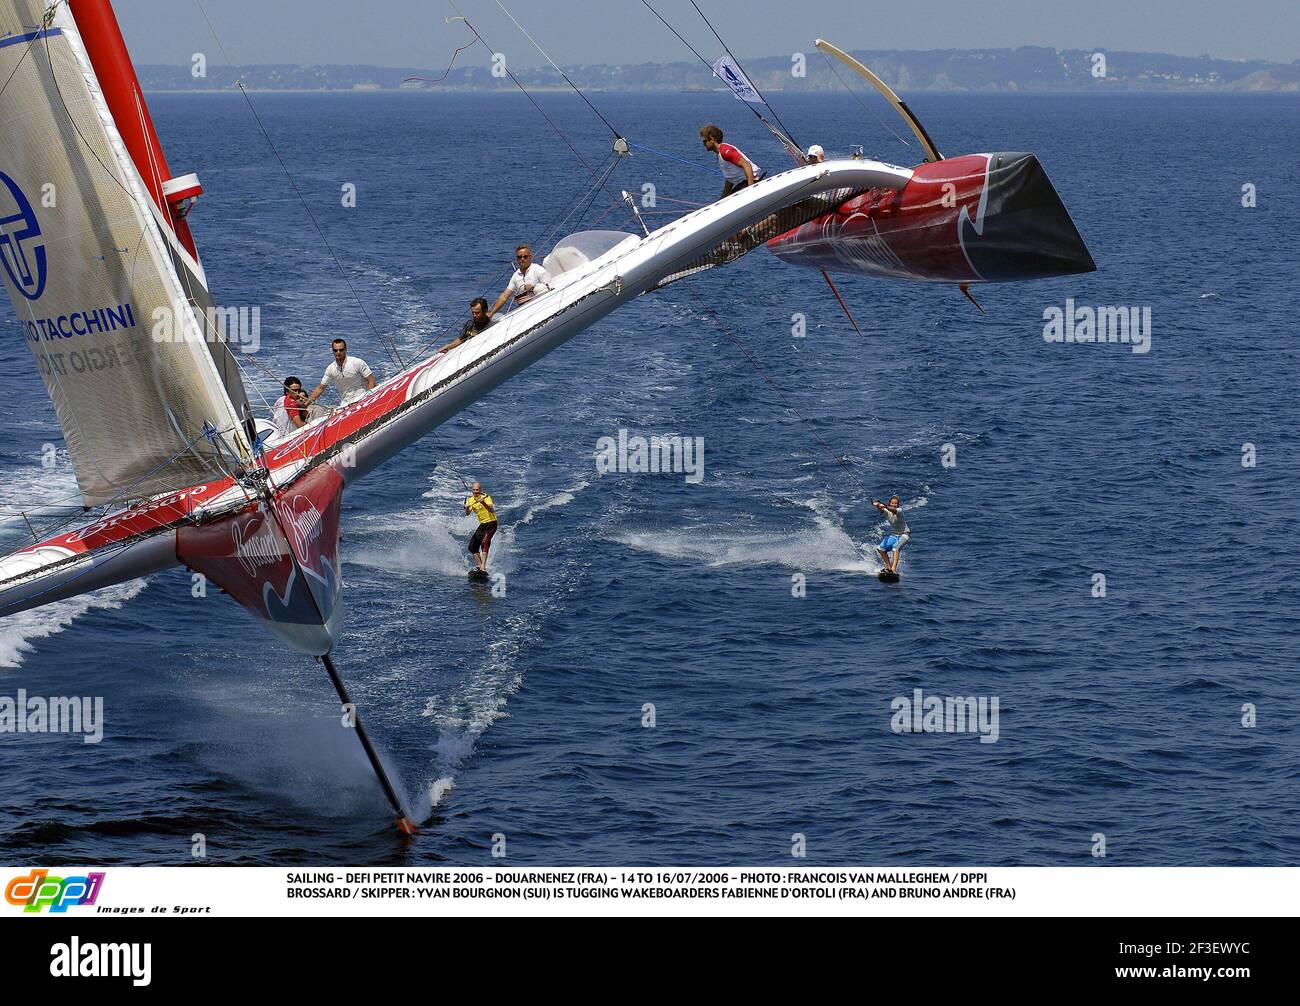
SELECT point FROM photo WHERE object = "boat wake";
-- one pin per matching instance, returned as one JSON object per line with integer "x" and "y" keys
{"x": 825, "y": 547}
{"x": 17, "y": 632}
{"x": 422, "y": 543}
{"x": 35, "y": 499}
{"x": 560, "y": 499}
{"x": 464, "y": 712}
{"x": 465, "y": 683}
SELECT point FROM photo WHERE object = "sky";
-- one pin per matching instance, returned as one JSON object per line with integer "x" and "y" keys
{"x": 413, "y": 33}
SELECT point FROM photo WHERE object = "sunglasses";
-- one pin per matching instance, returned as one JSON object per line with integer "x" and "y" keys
{"x": 525, "y": 255}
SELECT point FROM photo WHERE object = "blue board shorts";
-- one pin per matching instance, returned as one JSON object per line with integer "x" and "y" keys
{"x": 894, "y": 541}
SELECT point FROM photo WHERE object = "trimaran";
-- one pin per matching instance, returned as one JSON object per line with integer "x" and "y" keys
{"x": 95, "y": 241}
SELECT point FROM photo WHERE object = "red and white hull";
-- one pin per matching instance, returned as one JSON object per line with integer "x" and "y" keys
{"x": 978, "y": 218}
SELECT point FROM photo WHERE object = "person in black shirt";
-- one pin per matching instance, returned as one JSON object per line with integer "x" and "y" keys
{"x": 479, "y": 319}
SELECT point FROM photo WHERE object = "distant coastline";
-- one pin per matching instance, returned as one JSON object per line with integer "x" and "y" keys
{"x": 1025, "y": 69}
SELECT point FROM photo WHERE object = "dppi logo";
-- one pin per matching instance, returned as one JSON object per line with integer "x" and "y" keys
{"x": 28, "y": 276}
{"x": 39, "y": 890}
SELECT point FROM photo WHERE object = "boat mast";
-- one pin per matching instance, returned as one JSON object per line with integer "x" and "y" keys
{"x": 121, "y": 88}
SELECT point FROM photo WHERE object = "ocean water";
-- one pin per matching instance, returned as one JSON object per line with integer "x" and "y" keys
{"x": 522, "y": 716}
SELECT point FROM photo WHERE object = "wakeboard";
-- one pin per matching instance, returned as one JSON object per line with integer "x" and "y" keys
{"x": 477, "y": 574}
{"x": 885, "y": 576}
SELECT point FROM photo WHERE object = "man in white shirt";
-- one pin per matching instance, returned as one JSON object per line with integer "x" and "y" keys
{"x": 529, "y": 280}
{"x": 350, "y": 374}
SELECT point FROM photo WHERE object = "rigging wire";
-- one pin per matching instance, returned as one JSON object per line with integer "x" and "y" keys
{"x": 785, "y": 141}
{"x": 767, "y": 378}
{"x": 439, "y": 80}
{"x": 830, "y": 63}
{"x": 511, "y": 74}
{"x": 47, "y": 19}
{"x": 582, "y": 206}
{"x": 679, "y": 36}
{"x": 797, "y": 150}
{"x": 558, "y": 131}
{"x": 600, "y": 176}
{"x": 617, "y": 134}
{"x": 673, "y": 157}
{"x": 392, "y": 343}
{"x": 601, "y": 219}
{"x": 587, "y": 192}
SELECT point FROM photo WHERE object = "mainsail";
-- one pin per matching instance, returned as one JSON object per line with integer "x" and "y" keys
{"x": 93, "y": 278}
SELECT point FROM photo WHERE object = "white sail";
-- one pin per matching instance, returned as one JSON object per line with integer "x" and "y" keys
{"x": 91, "y": 278}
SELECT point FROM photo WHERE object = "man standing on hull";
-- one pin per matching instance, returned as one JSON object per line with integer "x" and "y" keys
{"x": 738, "y": 171}
{"x": 481, "y": 506}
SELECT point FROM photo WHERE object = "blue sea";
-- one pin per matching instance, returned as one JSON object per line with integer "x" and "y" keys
{"x": 1028, "y": 472}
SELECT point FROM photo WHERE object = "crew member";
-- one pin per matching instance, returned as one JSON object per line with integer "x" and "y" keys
{"x": 529, "y": 280}
{"x": 350, "y": 374}
{"x": 290, "y": 411}
{"x": 479, "y": 319}
{"x": 738, "y": 171}
{"x": 816, "y": 154}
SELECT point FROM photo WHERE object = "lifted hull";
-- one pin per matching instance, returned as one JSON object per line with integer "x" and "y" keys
{"x": 979, "y": 218}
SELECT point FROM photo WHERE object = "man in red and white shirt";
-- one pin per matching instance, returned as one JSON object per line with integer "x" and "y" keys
{"x": 290, "y": 412}
{"x": 738, "y": 170}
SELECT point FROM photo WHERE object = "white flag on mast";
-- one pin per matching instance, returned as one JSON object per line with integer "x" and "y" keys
{"x": 727, "y": 69}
